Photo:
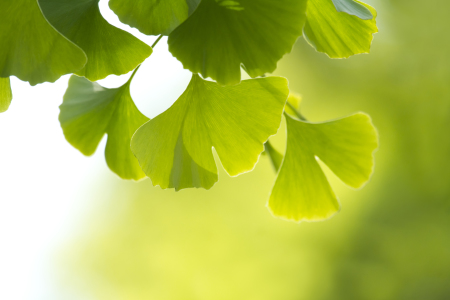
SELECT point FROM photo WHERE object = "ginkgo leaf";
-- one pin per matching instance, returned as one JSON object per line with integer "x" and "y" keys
{"x": 153, "y": 17}
{"x": 90, "y": 110}
{"x": 221, "y": 35}
{"x": 175, "y": 148}
{"x": 5, "y": 94}
{"x": 301, "y": 191}
{"x": 30, "y": 48}
{"x": 353, "y": 8}
{"x": 339, "y": 34}
{"x": 110, "y": 50}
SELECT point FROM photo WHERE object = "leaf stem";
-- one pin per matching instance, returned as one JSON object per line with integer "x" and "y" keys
{"x": 137, "y": 68}
{"x": 157, "y": 40}
{"x": 297, "y": 113}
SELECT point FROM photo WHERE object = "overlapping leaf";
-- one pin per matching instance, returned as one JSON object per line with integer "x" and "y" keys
{"x": 175, "y": 148}
{"x": 353, "y": 8}
{"x": 153, "y": 17}
{"x": 110, "y": 50}
{"x": 301, "y": 191}
{"x": 90, "y": 110}
{"x": 342, "y": 30}
{"x": 5, "y": 94}
{"x": 30, "y": 48}
{"x": 221, "y": 35}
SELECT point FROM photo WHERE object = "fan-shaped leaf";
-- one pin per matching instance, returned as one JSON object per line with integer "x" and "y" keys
{"x": 221, "y": 35}
{"x": 174, "y": 149}
{"x": 5, "y": 94}
{"x": 346, "y": 146}
{"x": 30, "y": 48}
{"x": 153, "y": 17}
{"x": 90, "y": 110}
{"x": 339, "y": 34}
{"x": 110, "y": 50}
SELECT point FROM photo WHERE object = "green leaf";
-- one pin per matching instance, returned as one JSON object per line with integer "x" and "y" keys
{"x": 110, "y": 50}
{"x": 346, "y": 146}
{"x": 90, "y": 110}
{"x": 30, "y": 48}
{"x": 353, "y": 8}
{"x": 276, "y": 158}
{"x": 175, "y": 148}
{"x": 153, "y": 17}
{"x": 222, "y": 35}
{"x": 339, "y": 34}
{"x": 5, "y": 94}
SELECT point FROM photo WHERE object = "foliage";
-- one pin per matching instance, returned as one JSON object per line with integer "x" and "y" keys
{"x": 43, "y": 40}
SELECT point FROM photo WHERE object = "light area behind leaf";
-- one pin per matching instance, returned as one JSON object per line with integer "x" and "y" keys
{"x": 5, "y": 94}
{"x": 90, "y": 110}
{"x": 338, "y": 34}
{"x": 301, "y": 191}
{"x": 175, "y": 148}
{"x": 23, "y": 30}
{"x": 110, "y": 50}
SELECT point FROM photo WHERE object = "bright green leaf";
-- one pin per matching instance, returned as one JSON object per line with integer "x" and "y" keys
{"x": 346, "y": 146}
{"x": 222, "y": 35}
{"x": 153, "y": 17}
{"x": 30, "y": 48}
{"x": 353, "y": 8}
{"x": 175, "y": 148}
{"x": 338, "y": 34}
{"x": 90, "y": 110}
{"x": 110, "y": 50}
{"x": 5, "y": 94}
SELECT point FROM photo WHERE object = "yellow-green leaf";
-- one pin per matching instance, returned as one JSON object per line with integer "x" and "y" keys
{"x": 90, "y": 110}
{"x": 341, "y": 32}
{"x": 5, "y": 94}
{"x": 301, "y": 191}
{"x": 175, "y": 148}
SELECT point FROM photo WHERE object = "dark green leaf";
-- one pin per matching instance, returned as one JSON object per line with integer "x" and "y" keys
{"x": 153, "y": 17}
{"x": 30, "y": 48}
{"x": 109, "y": 50}
{"x": 222, "y": 35}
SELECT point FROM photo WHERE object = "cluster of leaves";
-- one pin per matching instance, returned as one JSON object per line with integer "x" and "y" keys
{"x": 41, "y": 40}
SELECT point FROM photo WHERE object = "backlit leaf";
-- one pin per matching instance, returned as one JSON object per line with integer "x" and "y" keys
{"x": 175, "y": 148}
{"x": 90, "y": 110}
{"x": 30, "y": 48}
{"x": 221, "y": 35}
{"x": 339, "y": 34}
{"x": 5, "y": 94}
{"x": 110, "y": 50}
{"x": 301, "y": 191}
{"x": 153, "y": 17}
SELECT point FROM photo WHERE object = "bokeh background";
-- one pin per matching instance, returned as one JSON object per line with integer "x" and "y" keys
{"x": 70, "y": 229}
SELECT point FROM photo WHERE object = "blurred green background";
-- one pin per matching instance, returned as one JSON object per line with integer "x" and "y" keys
{"x": 390, "y": 241}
